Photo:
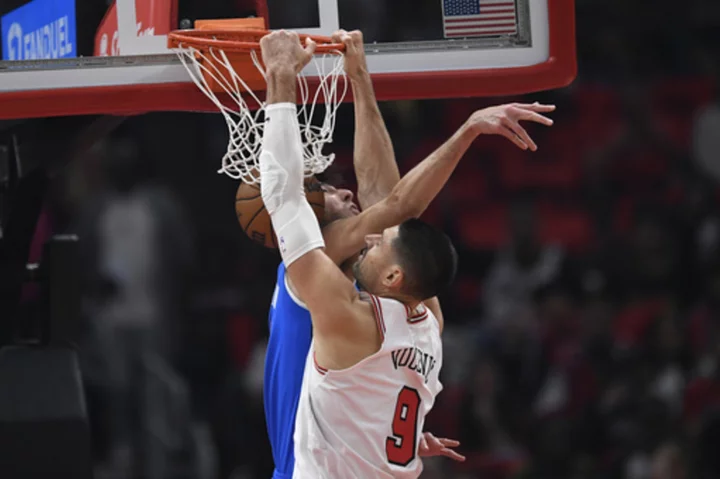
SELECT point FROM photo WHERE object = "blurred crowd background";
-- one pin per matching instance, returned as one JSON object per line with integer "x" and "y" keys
{"x": 583, "y": 333}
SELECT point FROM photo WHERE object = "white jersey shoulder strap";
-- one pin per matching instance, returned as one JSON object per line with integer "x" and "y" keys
{"x": 395, "y": 319}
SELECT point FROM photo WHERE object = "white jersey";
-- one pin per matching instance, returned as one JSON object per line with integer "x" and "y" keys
{"x": 366, "y": 421}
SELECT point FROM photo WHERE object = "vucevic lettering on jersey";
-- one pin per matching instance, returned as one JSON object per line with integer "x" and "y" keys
{"x": 367, "y": 420}
{"x": 415, "y": 359}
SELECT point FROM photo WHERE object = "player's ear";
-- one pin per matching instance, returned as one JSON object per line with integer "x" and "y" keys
{"x": 393, "y": 277}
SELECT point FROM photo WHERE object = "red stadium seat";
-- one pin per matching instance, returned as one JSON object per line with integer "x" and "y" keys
{"x": 675, "y": 103}
{"x": 633, "y": 321}
{"x": 483, "y": 228}
{"x": 467, "y": 186}
{"x": 423, "y": 149}
{"x": 467, "y": 290}
{"x": 599, "y": 117}
{"x": 623, "y": 215}
{"x": 540, "y": 172}
{"x": 683, "y": 94}
{"x": 701, "y": 395}
{"x": 570, "y": 227}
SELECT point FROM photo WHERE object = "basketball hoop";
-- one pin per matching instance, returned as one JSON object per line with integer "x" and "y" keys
{"x": 222, "y": 59}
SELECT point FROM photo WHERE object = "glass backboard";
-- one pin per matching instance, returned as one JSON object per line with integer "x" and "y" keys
{"x": 61, "y": 58}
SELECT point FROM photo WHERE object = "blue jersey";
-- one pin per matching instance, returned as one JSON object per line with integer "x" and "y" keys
{"x": 290, "y": 338}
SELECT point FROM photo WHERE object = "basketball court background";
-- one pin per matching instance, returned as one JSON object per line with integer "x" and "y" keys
{"x": 619, "y": 206}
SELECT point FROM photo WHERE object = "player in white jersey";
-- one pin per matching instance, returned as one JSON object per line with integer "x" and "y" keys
{"x": 367, "y": 421}
{"x": 385, "y": 351}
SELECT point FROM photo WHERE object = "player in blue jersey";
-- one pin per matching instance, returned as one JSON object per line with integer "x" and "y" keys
{"x": 385, "y": 201}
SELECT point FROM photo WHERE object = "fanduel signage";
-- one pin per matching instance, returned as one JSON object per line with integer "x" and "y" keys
{"x": 41, "y": 29}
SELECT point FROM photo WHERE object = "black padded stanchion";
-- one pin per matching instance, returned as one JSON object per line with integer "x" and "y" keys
{"x": 44, "y": 431}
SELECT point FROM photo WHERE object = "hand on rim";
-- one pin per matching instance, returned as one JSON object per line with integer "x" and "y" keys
{"x": 505, "y": 120}
{"x": 282, "y": 50}
{"x": 355, "y": 62}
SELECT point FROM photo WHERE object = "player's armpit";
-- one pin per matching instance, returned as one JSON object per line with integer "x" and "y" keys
{"x": 327, "y": 292}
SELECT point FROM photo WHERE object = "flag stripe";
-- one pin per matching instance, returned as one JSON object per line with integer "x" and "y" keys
{"x": 489, "y": 10}
{"x": 481, "y": 22}
{"x": 510, "y": 21}
{"x": 483, "y": 18}
{"x": 467, "y": 33}
{"x": 483, "y": 29}
{"x": 457, "y": 28}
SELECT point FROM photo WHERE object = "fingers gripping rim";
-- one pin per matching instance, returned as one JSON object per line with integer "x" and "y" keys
{"x": 240, "y": 40}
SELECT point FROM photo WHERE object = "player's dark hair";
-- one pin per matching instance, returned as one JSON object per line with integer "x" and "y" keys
{"x": 427, "y": 257}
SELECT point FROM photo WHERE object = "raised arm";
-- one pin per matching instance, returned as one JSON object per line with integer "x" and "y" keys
{"x": 374, "y": 158}
{"x": 321, "y": 284}
{"x": 412, "y": 195}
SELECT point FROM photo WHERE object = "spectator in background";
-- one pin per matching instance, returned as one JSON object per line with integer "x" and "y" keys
{"x": 482, "y": 430}
{"x": 565, "y": 381}
{"x": 667, "y": 362}
{"x": 512, "y": 332}
{"x": 519, "y": 270}
{"x": 486, "y": 410}
{"x": 646, "y": 263}
{"x": 137, "y": 256}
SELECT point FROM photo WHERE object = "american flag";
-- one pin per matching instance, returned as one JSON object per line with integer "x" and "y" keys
{"x": 479, "y": 18}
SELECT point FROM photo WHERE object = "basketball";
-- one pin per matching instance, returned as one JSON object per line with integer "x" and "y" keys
{"x": 254, "y": 218}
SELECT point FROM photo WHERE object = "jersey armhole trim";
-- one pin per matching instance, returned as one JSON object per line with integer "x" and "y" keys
{"x": 290, "y": 293}
{"x": 377, "y": 311}
{"x": 323, "y": 371}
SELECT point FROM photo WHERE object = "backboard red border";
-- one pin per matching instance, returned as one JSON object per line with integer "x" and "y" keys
{"x": 558, "y": 71}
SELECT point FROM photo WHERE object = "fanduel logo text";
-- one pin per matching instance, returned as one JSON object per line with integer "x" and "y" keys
{"x": 49, "y": 41}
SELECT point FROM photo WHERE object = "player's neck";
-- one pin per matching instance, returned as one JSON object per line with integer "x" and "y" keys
{"x": 411, "y": 303}
{"x": 348, "y": 271}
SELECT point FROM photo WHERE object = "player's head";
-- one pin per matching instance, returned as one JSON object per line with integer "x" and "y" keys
{"x": 338, "y": 203}
{"x": 413, "y": 261}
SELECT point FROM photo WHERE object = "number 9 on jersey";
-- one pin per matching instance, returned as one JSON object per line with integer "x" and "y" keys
{"x": 400, "y": 447}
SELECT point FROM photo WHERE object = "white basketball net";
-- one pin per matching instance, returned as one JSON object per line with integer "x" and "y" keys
{"x": 246, "y": 126}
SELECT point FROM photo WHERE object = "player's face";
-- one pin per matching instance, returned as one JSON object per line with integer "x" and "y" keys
{"x": 376, "y": 269}
{"x": 338, "y": 203}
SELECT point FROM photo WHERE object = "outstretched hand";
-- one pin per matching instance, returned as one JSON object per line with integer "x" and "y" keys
{"x": 433, "y": 446}
{"x": 505, "y": 120}
{"x": 282, "y": 49}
